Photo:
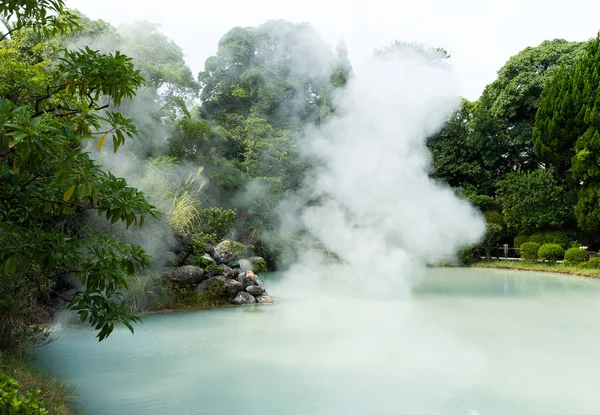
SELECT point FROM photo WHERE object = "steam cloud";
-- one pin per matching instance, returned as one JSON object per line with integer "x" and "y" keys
{"x": 378, "y": 210}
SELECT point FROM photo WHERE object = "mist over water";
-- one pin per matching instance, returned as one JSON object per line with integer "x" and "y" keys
{"x": 469, "y": 342}
{"x": 371, "y": 202}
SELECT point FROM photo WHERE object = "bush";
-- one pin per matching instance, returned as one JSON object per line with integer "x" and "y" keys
{"x": 216, "y": 222}
{"x": 593, "y": 263}
{"x": 551, "y": 252}
{"x": 465, "y": 257}
{"x": 574, "y": 256}
{"x": 520, "y": 240}
{"x": 13, "y": 402}
{"x": 551, "y": 237}
{"x": 529, "y": 251}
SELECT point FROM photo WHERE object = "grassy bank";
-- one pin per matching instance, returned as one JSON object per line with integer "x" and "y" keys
{"x": 539, "y": 267}
{"x": 55, "y": 395}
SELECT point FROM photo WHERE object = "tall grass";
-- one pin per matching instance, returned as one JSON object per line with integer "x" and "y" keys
{"x": 145, "y": 292}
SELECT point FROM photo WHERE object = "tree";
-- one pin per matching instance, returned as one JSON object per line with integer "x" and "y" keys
{"x": 47, "y": 111}
{"x": 275, "y": 71}
{"x": 512, "y": 100}
{"x": 534, "y": 200}
{"x": 568, "y": 124}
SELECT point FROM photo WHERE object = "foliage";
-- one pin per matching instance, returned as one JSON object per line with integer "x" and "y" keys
{"x": 593, "y": 263}
{"x": 520, "y": 239}
{"x": 260, "y": 266}
{"x": 12, "y": 402}
{"x": 493, "y": 231}
{"x": 551, "y": 237}
{"x": 533, "y": 200}
{"x": 215, "y": 221}
{"x": 567, "y": 131}
{"x": 47, "y": 112}
{"x": 144, "y": 292}
{"x": 574, "y": 256}
{"x": 529, "y": 251}
{"x": 551, "y": 252}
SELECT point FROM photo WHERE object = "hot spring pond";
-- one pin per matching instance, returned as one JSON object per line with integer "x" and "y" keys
{"x": 469, "y": 342}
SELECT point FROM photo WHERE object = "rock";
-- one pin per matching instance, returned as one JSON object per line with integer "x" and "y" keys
{"x": 214, "y": 270}
{"x": 227, "y": 257}
{"x": 211, "y": 284}
{"x": 244, "y": 298}
{"x": 259, "y": 282}
{"x": 234, "y": 264}
{"x": 232, "y": 287}
{"x": 246, "y": 265}
{"x": 255, "y": 290}
{"x": 217, "y": 258}
{"x": 224, "y": 246}
{"x": 187, "y": 275}
{"x": 247, "y": 278}
{"x": 227, "y": 272}
{"x": 208, "y": 258}
{"x": 264, "y": 299}
{"x": 237, "y": 272}
{"x": 209, "y": 249}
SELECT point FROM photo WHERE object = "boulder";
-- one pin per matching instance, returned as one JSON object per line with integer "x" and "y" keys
{"x": 237, "y": 272}
{"x": 247, "y": 278}
{"x": 244, "y": 298}
{"x": 211, "y": 283}
{"x": 217, "y": 258}
{"x": 186, "y": 275}
{"x": 224, "y": 246}
{"x": 209, "y": 249}
{"x": 233, "y": 287}
{"x": 227, "y": 257}
{"x": 255, "y": 290}
{"x": 214, "y": 270}
{"x": 246, "y": 265}
{"x": 234, "y": 264}
{"x": 227, "y": 272}
{"x": 264, "y": 299}
{"x": 207, "y": 258}
{"x": 259, "y": 282}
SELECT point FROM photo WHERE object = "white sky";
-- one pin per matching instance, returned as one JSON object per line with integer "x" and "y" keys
{"x": 479, "y": 34}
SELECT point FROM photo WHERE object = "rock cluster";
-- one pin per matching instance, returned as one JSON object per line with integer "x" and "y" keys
{"x": 220, "y": 274}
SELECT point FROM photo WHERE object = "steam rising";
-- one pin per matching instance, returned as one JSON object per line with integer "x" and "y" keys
{"x": 378, "y": 210}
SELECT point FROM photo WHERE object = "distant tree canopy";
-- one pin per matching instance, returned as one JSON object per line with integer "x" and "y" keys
{"x": 528, "y": 142}
{"x": 567, "y": 133}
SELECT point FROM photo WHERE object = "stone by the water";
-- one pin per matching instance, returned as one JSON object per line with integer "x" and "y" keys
{"x": 264, "y": 299}
{"x": 247, "y": 278}
{"x": 233, "y": 287}
{"x": 246, "y": 265}
{"x": 255, "y": 290}
{"x": 210, "y": 283}
{"x": 186, "y": 275}
{"x": 244, "y": 298}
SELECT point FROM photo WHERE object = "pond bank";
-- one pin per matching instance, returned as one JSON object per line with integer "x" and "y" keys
{"x": 55, "y": 394}
{"x": 557, "y": 269}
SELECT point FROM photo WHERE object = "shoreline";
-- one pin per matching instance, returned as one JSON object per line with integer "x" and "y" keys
{"x": 554, "y": 269}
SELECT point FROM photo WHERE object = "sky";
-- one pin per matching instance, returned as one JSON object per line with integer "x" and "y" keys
{"x": 479, "y": 34}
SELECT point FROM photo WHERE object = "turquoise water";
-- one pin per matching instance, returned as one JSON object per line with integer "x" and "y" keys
{"x": 468, "y": 342}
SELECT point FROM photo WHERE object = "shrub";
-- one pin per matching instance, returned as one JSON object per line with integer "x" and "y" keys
{"x": 13, "y": 402}
{"x": 465, "y": 257}
{"x": 574, "y": 256}
{"x": 520, "y": 240}
{"x": 593, "y": 263}
{"x": 529, "y": 251}
{"x": 260, "y": 266}
{"x": 551, "y": 237}
{"x": 551, "y": 252}
{"x": 216, "y": 221}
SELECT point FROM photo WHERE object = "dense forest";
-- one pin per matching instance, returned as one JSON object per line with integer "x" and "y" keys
{"x": 112, "y": 152}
